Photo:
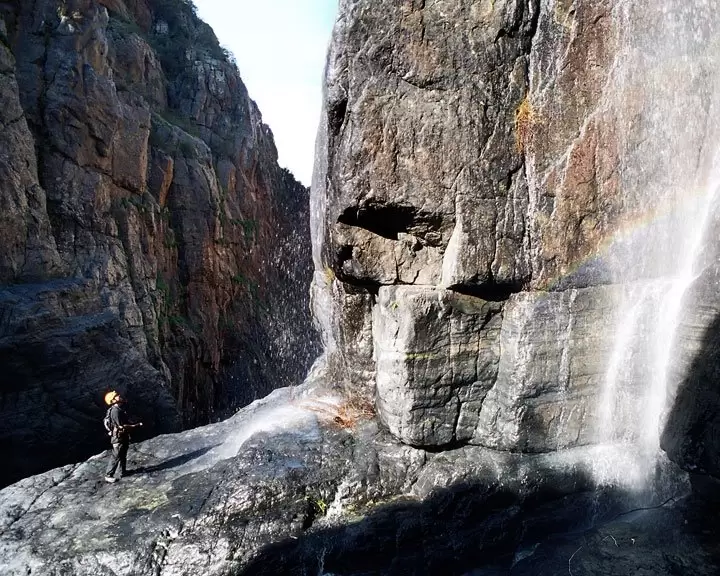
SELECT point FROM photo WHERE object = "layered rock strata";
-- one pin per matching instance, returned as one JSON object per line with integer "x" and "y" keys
{"x": 495, "y": 182}
{"x": 150, "y": 241}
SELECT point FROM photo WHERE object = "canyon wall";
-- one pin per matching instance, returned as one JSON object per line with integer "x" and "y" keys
{"x": 150, "y": 241}
{"x": 495, "y": 180}
{"x": 512, "y": 214}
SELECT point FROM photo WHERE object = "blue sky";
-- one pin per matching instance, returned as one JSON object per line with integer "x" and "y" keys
{"x": 280, "y": 47}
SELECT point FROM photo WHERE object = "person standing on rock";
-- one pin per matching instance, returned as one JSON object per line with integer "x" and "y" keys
{"x": 118, "y": 428}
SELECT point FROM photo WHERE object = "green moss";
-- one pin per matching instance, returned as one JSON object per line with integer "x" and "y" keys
{"x": 172, "y": 117}
{"x": 187, "y": 149}
{"x": 162, "y": 285}
{"x": 161, "y": 135}
{"x": 422, "y": 356}
{"x": 240, "y": 279}
{"x": 155, "y": 140}
{"x": 176, "y": 320}
{"x": 318, "y": 504}
{"x": 142, "y": 499}
{"x": 185, "y": 32}
{"x": 250, "y": 228}
{"x": 123, "y": 27}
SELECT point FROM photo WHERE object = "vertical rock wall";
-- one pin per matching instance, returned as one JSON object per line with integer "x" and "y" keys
{"x": 480, "y": 166}
{"x": 150, "y": 242}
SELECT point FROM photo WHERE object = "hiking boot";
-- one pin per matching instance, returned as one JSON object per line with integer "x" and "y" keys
{"x": 110, "y": 479}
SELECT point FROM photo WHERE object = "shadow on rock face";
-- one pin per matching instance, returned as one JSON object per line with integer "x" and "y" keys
{"x": 464, "y": 529}
{"x": 438, "y": 536}
{"x": 692, "y": 432}
{"x": 666, "y": 540}
{"x": 173, "y": 462}
{"x": 453, "y": 533}
{"x": 55, "y": 368}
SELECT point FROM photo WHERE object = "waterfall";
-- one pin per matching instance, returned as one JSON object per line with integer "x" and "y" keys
{"x": 666, "y": 99}
{"x": 634, "y": 399}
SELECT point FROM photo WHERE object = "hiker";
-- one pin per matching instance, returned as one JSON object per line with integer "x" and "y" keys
{"x": 117, "y": 425}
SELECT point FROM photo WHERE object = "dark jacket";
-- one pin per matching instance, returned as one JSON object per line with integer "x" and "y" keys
{"x": 118, "y": 418}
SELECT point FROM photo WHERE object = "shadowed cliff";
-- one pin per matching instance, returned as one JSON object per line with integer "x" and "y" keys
{"x": 692, "y": 431}
{"x": 459, "y": 532}
{"x": 150, "y": 241}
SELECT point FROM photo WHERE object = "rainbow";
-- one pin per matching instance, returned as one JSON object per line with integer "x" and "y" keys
{"x": 630, "y": 225}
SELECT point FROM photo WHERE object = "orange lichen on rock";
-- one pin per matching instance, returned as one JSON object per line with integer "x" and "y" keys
{"x": 525, "y": 118}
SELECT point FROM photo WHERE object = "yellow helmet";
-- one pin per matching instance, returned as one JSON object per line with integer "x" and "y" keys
{"x": 110, "y": 396}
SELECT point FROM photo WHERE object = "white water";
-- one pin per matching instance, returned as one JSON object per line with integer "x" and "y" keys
{"x": 298, "y": 416}
{"x": 666, "y": 97}
{"x": 634, "y": 403}
{"x": 610, "y": 401}
{"x": 297, "y": 411}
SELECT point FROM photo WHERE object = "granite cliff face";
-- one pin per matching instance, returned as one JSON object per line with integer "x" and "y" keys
{"x": 487, "y": 201}
{"x": 150, "y": 242}
{"x": 499, "y": 211}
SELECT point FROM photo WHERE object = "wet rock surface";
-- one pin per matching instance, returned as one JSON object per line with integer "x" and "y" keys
{"x": 666, "y": 540}
{"x": 282, "y": 487}
{"x": 691, "y": 436}
{"x": 150, "y": 242}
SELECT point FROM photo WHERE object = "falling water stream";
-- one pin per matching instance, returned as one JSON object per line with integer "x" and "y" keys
{"x": 634, "y": 400}
{"x": 666, "y": 95}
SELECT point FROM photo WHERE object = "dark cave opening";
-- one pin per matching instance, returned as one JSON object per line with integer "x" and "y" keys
{"x": 390, "y": 220}
{"x": 492, "y": 292}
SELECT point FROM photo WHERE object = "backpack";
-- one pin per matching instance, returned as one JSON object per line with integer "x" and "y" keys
{"x": 107, "y": 422}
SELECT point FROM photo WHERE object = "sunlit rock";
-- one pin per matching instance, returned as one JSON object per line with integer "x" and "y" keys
{"x": 437, "y": 355}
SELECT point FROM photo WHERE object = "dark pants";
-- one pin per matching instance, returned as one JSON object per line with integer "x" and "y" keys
{"x": 118, "y": 456}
